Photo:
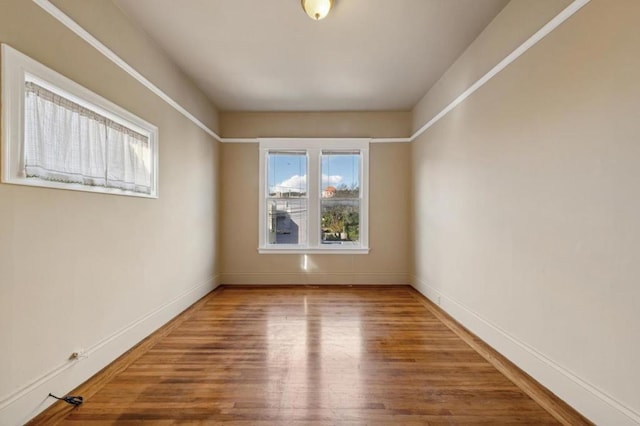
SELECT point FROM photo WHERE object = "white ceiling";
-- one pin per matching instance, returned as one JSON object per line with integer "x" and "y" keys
{"x": 267, "y": 55}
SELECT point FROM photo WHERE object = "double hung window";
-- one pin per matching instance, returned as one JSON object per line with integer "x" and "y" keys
{"x": 313, "y": 196}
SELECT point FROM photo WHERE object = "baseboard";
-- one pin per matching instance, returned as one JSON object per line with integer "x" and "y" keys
{"x": 27, "y": 402}
{"x": 594, "y": 404}
{"x": 315, "y": 278}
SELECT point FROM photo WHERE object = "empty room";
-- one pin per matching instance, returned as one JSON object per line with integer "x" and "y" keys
{"x": 319, "y": 212}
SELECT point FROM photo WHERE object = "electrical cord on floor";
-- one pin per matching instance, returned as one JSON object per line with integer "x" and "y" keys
{"x": 69, "y": 399}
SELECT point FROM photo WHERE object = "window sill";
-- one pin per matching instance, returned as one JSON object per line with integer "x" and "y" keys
{"x": 73, "y": 187}
{"x": 329, "y": 250}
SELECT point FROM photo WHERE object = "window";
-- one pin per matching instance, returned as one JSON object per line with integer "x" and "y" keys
{"x": 58, "y": 134}
{"x": 313, "y": 196}
{"x": 287, "y": 199}
{"x": 340, "y": 198}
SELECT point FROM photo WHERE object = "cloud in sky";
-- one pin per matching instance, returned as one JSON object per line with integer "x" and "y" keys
{"x": 297, "y": 183}
{"x": 331, "y": 180}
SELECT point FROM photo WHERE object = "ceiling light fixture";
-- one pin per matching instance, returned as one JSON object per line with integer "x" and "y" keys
{"x": 317, "y": 9}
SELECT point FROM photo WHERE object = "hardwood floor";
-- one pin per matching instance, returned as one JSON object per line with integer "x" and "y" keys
{"x": 307, "y": 356}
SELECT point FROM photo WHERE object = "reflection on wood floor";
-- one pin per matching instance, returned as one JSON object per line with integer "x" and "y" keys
{"x": 307, "y": 356}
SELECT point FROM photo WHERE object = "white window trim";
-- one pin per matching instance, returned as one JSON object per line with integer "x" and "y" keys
{"x": 16, "y": 68}
{"x": 314, "y": 147}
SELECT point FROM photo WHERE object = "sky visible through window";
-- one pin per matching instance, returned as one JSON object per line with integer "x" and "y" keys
{"x": 288, "y": 171}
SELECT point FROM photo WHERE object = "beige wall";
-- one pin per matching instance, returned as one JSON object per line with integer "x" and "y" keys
{"x": 95, "y": 271}
{"x": 109, "y": 24}
{"x": 388, "y": 261}
{"x": 509, "y": 29}
{"x": 526, "y": 211}
{"x": 387, "y": 124}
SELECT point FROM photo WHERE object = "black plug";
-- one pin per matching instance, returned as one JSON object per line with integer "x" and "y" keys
{"x": 69, "y": 399}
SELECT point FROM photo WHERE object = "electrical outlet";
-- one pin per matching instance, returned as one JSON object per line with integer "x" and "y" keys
{"x": 78, "y": 354}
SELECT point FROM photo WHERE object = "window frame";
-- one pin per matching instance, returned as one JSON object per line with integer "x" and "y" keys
{"x": 18, "y": 68}
{"x": 314, "y": 148}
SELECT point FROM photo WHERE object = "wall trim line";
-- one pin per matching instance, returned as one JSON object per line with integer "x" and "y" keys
{"x": 314, "y": 278}
{"x": 603, "y": 408}
{"x": 113, "y": 57}
{"x": 313, "y": 273}
{"x": 95, "y": 350}
{"x": 102, "y": 48}
{"x": 519, "y": 51}
{"x": 371, "y": 140}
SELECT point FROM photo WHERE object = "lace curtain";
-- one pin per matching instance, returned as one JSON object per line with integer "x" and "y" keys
{"x": 67, "y": 142}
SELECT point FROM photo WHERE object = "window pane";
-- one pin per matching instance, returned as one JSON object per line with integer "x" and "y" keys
{"x": 340, "y": 221}
{"x": 287, "y": 221}
{"x": 340, "y": 174}
{"x": 287, "y": 174}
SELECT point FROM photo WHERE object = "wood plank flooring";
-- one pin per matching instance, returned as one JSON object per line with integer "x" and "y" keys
{"x": 309, "y": 356}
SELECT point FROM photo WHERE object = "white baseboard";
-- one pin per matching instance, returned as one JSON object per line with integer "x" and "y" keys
{"x": 594, "y": 404}
{"x": 29, "y": 401}
{"x": 315, "y": 278}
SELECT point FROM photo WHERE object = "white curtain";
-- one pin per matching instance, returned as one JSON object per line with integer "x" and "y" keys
{"x": 66, "y": 142}
{"x": 128, "y": 159}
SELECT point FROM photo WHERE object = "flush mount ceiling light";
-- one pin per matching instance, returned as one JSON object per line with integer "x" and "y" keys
{"x": 317, "y": 9}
